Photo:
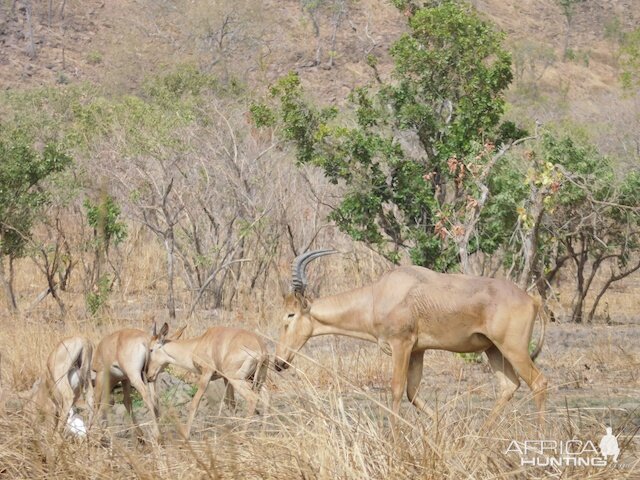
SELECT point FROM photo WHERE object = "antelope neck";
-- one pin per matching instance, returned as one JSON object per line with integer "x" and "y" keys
{"x": 348, "y": 313}
{"x": 181, "y": 353}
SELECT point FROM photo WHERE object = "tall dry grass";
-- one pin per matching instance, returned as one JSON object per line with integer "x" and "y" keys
{"x": 329, "y": 418}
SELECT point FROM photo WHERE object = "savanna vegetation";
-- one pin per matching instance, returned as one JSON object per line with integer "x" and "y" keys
{"x": 168, "y": 160}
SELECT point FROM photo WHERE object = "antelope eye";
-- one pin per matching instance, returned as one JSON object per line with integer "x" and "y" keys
{"x": 291, "y": 315}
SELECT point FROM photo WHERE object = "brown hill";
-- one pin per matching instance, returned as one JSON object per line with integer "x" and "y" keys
{"x": 565, "y": 72}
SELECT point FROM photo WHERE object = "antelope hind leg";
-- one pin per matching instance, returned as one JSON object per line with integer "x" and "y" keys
{"x": 508, "y": 380}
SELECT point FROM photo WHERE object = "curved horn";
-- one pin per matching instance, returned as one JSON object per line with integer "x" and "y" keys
{"x": 298, "y": 278}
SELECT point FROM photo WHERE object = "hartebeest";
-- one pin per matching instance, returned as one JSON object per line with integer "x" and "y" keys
{"x": 66, "y": 376}
{"x": 412, "y": 309}
{"x": 236, "y": 355}
{"x": 122, "y": 357}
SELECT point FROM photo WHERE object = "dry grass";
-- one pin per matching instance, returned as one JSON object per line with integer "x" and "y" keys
{"x": 329, "y": 418}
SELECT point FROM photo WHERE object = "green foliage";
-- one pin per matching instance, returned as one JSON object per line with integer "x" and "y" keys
{"x": 72, "y": 116}
{"x": 590, "y": 218}
{"x": 470, "y": 357}
{"x": 99, "y": 296}
{"x": 630, "y": 59}
{"x": 500, "y": 215}
{"x": 262, "y": 115}
{"x": 474, "y": 357}
{"x": 447, "y": 89}
{"x": 104, "y": 218}
{"x": 583, "y": 161}
{"x": 79, "y": 116}
{"x": 450, "y": 54}
{"x": 183, "y": 80}
{"x": 568, "y": 7}
{"x": 578, "y": 56}
{"x": 94, "y": 58}
{"x": 613, "y": 30}
{"x": 193, "y": 389}
{"x": 629, "y": 194}
{"x": 23, "y": 173}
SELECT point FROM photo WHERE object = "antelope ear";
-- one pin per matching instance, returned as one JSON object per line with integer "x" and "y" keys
{"x": 305, "y": 303}
{"x": 163, "y": 331}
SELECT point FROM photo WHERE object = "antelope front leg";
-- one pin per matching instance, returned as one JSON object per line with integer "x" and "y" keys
{"x": 154, "y": 398}
{"x": 195, "y": 403}
{"x": 126, "y": 399}
{"x": 401, "y": 353}
{"x": 142, "y": 388}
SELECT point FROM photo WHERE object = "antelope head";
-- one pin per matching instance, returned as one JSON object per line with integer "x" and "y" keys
{"x": 158, "y": 356}
{"x": 297, "y": 320}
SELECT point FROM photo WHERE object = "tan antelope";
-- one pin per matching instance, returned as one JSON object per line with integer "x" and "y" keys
{"x": 67, "y": 375}
{"x": 233, "y": 354}
{"x": 122, "y": 357}
{"x": 412, "y": 309}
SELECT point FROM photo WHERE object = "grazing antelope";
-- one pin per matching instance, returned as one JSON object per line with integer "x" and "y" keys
{"x": 66, "y": 376}
{"x": 122, "y": 358}
{"x": 236, "y": 355}
{"x": 412, "y": 309}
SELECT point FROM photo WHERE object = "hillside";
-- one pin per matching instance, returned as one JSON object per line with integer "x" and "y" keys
{"x": 119, "y": 43}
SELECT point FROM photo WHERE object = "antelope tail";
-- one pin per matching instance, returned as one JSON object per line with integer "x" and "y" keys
{"x": 542, "y": 314}
{"x": 85, "y": 365}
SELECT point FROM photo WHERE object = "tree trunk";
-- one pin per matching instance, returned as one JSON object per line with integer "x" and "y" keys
{"x": 61, "y": 13}
{"x": 52, "y": 288}
{"x": 530, "y": 243}
{"x": 97, "y": 258}
{"x": 169, "y": 245}
{"x": 31, "y": 49}
{"x": 612, "y": 279}
{"x": 337, "y": 18}
{"x": 581, "y": 292}
{"x": 50, "y": 270}
{"x": 316, "y": 31}
{"x": 7, "y": 284}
